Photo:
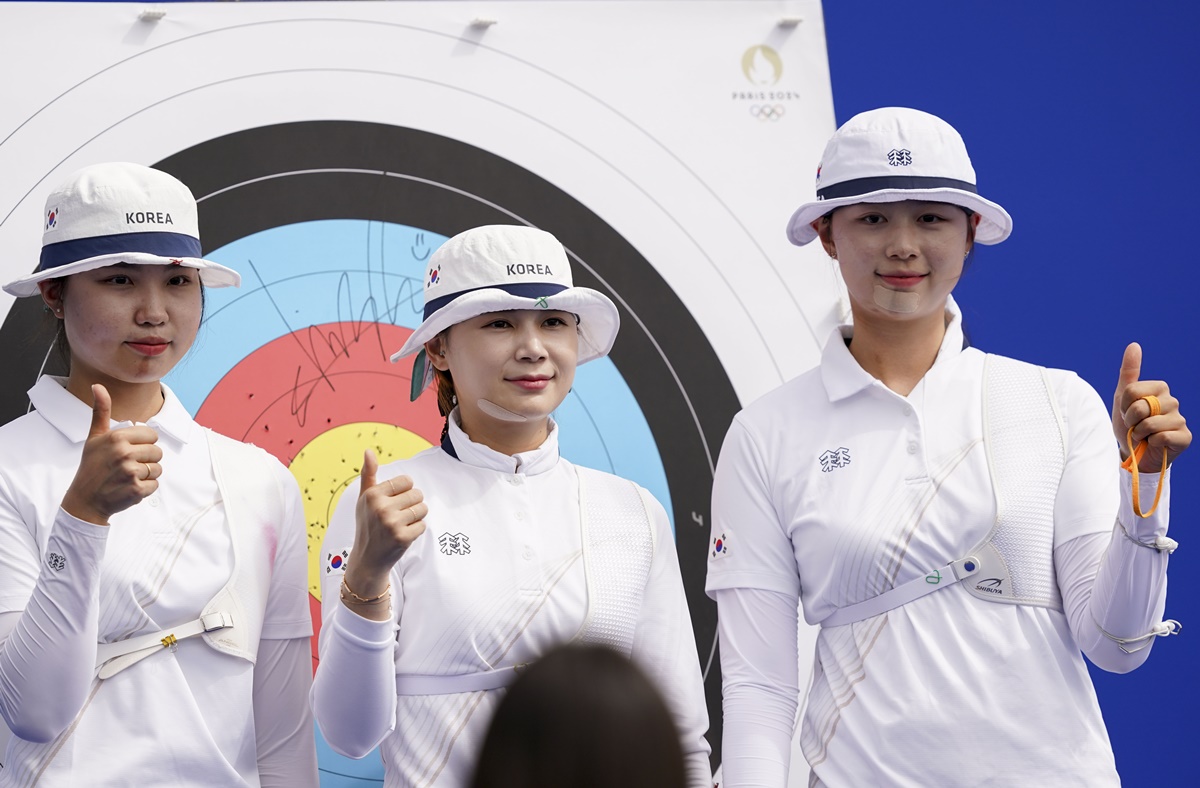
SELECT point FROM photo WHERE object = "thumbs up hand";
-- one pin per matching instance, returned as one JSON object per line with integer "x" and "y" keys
{"x": 118, "y": 468}
{"x": 1165, "y": 432}
{"x": 389, "y": 516}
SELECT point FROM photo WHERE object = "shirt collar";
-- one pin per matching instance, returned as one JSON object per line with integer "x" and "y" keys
{"x": 72, "y": 417}
{"x": 841, "y": 373}
{"x": 530, "y": 463}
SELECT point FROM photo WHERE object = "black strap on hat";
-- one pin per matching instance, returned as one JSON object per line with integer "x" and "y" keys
{"x": 859, "y": 186}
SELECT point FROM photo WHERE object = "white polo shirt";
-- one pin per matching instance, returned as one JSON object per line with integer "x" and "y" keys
{"x": 832, "y": 489}
{"x": 184, "y": 716}
{"x": 496, "y": 580}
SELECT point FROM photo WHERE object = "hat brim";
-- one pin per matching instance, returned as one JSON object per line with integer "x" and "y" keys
{"x": 994, "y": 224}
{"x": 211, "y": 274}
{"x": 598, "y": 320}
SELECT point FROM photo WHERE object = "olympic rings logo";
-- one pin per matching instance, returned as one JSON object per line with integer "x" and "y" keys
{"x": 765, "y": 112}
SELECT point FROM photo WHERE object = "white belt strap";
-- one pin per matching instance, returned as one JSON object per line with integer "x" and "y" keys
{"x": 416, "y": 684}
{"x": 904, "y": 593}
{"x": 112, "y": 658}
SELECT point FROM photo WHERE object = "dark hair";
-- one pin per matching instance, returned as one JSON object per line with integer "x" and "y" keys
{"x": 444, "y": 384}
{"x": 585, "y": 717}
{"x": 59, "y": 344}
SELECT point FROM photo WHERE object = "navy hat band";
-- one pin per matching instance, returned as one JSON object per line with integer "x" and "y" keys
{"x": 161, "y": 244}
{"x": 523, "y": 290}
{"x": 858, "y": 186}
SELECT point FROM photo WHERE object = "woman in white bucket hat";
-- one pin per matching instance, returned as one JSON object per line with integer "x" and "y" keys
{"x": 957, "y": 523}
{"x": 153, "y": 604}
{"x": 441, "y": 594}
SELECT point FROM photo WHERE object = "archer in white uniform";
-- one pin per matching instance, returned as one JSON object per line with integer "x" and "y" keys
{"x": 901, "y": 453}
{"x": 521, "y": 550}
{"x": 121, "y": 521}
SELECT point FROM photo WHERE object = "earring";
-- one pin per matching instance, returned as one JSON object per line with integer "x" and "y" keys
{"x": 453, "y": 399}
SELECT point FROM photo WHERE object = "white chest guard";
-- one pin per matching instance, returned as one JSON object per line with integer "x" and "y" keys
{"x": 232, "y": 620}
{"x": 618, "y": 548}
{"x": 1026, "y": 452}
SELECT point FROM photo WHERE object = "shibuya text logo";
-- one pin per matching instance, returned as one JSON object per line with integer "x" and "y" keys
{"x": 762, "y": 67}
{"x": 991, "y": 586}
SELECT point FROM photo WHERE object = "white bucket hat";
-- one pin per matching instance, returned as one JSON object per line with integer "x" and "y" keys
{"x": 895, "y": 154}
{"x": 120, "y": 213}
{"x": 502, "y": 267}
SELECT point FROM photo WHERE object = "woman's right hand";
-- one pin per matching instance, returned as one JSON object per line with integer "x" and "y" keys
{"x": 118, "y": 468}
{"x": 388, "y": 518}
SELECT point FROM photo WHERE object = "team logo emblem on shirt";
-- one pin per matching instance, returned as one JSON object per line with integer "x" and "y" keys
{"x": 56, "y": 562}
{"x": 454, "y": 544}
{"x": 720, "y": 547}
{"x": 834, "y": 458}
{"x": 336, "y": 562}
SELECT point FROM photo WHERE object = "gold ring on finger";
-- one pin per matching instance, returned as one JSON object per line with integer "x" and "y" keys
{"x": 149, "y": 471}
{"x": 391, "y": 488}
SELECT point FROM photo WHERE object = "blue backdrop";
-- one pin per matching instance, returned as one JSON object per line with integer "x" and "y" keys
{"x": 1081, "y": 120}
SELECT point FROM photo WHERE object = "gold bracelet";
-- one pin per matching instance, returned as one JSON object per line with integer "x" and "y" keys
{"x": 347, "y": 591}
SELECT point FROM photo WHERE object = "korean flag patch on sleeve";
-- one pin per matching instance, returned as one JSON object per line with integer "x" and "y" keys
{"x": 336, "y": 562}
{"x": 720, "y": 546}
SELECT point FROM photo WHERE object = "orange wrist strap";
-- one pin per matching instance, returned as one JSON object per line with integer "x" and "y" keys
{"x": 1135, "y": 455}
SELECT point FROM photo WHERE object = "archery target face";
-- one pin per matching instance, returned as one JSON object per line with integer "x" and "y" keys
{"x": 296, "y": 360}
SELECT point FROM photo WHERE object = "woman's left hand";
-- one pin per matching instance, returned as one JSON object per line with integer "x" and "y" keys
{"x": 1167, "y": 432}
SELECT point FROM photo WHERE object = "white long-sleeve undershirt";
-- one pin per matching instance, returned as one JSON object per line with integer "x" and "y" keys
{"x": 52, "y": 643}
{"x": 48, "y": 662}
